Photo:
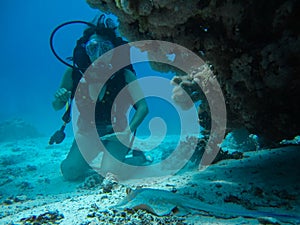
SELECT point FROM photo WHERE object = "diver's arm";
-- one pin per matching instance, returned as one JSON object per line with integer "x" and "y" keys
{"x": 63, "y": 94}
{"x": 140, "y": 113}
{"x": 140, "y": 102}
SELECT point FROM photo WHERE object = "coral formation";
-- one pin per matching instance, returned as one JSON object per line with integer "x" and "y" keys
{"x": 50, "y": 217}
{"x": 112, "y": 216}
{"x": 196, "y": 85}
{"x": 253, "y": 46}
{"x": 15, "y": 129}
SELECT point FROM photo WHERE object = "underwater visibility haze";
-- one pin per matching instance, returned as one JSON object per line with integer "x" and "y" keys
{"x": 213, "y": 135}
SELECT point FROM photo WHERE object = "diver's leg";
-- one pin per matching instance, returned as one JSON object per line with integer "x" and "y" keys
{"x": 74, "y": 167}
{"x": 83, "y": 151}
{"x": 113, "y": 159}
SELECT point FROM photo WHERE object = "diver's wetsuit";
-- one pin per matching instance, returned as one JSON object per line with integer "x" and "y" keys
{"x": 75, "y": 167}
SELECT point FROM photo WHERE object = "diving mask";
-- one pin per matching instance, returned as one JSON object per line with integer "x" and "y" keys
{"x": 95, "y": 48}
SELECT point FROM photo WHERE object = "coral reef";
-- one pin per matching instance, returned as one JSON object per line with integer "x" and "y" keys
{"x": 54, "y": 217}
{"x": 199, "y": 146}
{"x": 17, "y": 129}
{"x": 111, "y": 216}
{"x": 187, "y": 86}
{"x": 253, "y": 47}
{"x": 295, "y": 141}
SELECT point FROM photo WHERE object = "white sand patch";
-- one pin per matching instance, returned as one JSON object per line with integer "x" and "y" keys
{"x": 31, "y": 184}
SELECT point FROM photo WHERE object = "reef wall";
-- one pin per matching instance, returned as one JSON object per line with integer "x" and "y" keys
{"x": 253, "y": 47}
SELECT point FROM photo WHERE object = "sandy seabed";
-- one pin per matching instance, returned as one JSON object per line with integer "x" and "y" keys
{"x": 33, "y": 191}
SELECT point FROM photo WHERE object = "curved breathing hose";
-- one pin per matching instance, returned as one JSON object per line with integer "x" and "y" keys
{"x": 59, "y": 135}
{"x": 54, "y": 32}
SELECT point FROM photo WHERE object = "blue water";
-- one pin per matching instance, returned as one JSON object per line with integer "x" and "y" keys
{"x": 30, "y": 72}
{"x": 30, "y": 76}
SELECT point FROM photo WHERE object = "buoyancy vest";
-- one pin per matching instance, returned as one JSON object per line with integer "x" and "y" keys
{"x": 107, "y": 111}
{"x": 112, "y": 109}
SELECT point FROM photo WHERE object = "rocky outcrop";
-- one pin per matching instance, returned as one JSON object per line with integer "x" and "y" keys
{"x": 252, "y": 46}
{"x": 16, "y": 129}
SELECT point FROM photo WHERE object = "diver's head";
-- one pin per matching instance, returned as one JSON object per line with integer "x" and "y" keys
{"x": 98, "y": 40}
{"x": 97, "y": 45}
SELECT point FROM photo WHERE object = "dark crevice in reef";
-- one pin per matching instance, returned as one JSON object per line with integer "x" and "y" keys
{"x": 253, "y": 48}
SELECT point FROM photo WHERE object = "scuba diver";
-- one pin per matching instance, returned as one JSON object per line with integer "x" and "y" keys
{"x": 97, "y": 40}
